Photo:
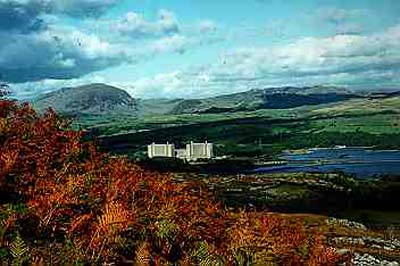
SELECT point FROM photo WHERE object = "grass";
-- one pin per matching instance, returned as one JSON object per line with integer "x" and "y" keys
{"x": 375, "y": 124}
{"x": 360, "y": 106}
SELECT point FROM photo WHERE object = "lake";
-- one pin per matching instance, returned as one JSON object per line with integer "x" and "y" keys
{"x": 359, "y": 161}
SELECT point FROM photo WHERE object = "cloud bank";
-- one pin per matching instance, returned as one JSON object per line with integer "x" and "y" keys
{"x": 344, "y": 59}
{"x": 36, "y": 45}
{"x": 56, "y": 43}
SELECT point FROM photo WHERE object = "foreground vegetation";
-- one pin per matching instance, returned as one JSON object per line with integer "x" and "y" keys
{"x": 64, "y": 202}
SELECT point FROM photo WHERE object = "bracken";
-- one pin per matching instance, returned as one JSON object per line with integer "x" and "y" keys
{"x": 83, "y": 206}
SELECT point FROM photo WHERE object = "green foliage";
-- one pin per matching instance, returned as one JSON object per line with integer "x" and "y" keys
{"x": 19, "y": 251}
{"x": 345, "y": 180}
{"x": 330, "y": 139}
{"x": 259, "y": 136}
{"x": 3, "y": 254}
{"x": 167, "y": 230}
{"x": 203, "y": 257}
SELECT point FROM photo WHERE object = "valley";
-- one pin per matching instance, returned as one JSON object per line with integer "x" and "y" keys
{"x": 205, "y": 133}
{"x": 250, "y": 134}
{"x": 329, "y": 166}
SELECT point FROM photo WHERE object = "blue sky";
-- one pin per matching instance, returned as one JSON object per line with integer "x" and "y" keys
{"x": 198, "y": 48}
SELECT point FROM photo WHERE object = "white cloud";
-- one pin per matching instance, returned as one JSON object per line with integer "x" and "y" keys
{"x": 30, "y": 90}
{"x": 174, "y": 43}
{"x": 308, "y": 56}
{"x": 36, "y": 44}
{"x": 136, "y": 26}
{"x": 61, "y": 51}
{"x": 162, "y": 85}
{"x": 347, "y": 60}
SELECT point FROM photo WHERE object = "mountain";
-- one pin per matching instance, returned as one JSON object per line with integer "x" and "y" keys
{"x": 88, "y": 99}
{"x": 94, "y": 99}
{"x": 271, "y": 98}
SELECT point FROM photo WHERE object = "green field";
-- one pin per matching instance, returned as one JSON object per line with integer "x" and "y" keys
{"x": 260, "y": 133}
{"x": 375, "y": 124}
{"x": 367, "y": 109}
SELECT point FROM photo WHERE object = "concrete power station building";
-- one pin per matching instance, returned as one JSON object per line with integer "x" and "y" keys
{"x": 192, "y": 152}
{"x": 161, "y": 150}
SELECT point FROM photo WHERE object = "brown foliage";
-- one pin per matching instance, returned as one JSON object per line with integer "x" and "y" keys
{"x": 94, "y": 208}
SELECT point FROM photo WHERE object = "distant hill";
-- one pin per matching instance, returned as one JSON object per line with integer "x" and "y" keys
{"x": 96, "y": 99}
{"x": 88, "y": 99}
{"x": 271, "y": 98}
{"x": 157, "y": 106}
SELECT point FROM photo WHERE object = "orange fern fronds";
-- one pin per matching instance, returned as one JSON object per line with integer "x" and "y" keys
{"x": 143, "y": 255}
{"x": 114, "y": 215}
{"x": 322, "y": 255}
{"x": 8, "y": 158}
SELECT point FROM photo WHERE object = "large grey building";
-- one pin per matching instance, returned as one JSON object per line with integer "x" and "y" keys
{"x": 192, "y": 152}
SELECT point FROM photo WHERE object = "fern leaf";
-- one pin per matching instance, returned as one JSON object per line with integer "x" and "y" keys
{"x": 18, "y": 248}
{"x": 143, "y": 255}
{"x": 114, "y": 215}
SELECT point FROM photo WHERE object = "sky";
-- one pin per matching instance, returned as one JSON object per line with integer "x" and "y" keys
{"x": 198, "y": 48}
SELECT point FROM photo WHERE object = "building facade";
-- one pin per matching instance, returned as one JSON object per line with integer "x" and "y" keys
{"x": 161, "y": 150}
{"x": 196, "y": 151}
{"x": 192, "y": 152}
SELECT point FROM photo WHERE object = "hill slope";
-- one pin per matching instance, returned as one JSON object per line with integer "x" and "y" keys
{"x": 271, "y": 98}
{"x": 159, "y": 106}
{"x": 88, "y": 99}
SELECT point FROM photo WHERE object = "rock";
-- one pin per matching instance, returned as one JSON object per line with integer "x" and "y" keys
{"x": 367, "y": 259}
{"x": 345, "y": 223}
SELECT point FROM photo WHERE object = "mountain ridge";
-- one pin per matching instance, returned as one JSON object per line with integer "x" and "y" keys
{"x": 101, "y": 98}
{"x": 96, "y": 98}
{"x": 267, "y": 98}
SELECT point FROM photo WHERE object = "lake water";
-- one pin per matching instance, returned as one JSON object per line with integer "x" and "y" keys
{"x": 362, "y": 162}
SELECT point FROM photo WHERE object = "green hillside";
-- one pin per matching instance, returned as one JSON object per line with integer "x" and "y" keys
{"x": 241, "y": 124}
{"x": 270, "y": 98}
{"x": 360, "y": 122}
